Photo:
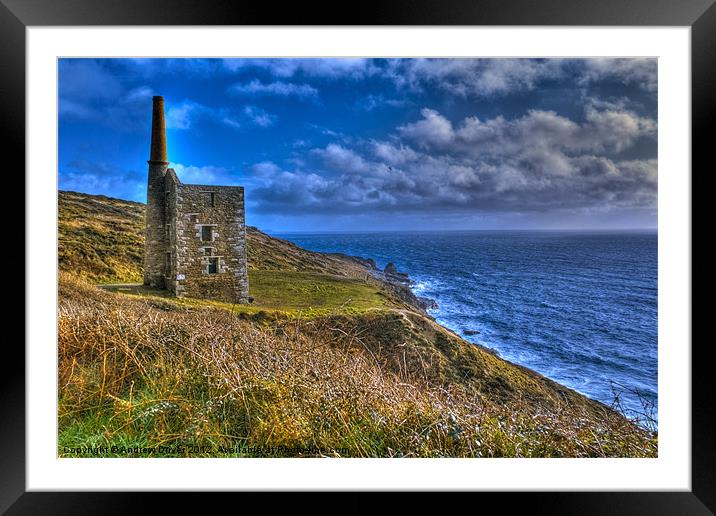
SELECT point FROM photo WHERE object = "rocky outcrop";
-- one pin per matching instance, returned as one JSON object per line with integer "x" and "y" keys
{"x": 427, "y": 303}
{"x": 393, "y": 274}
{"x": 399, "y": 284}
{"x": 368, "y": 263}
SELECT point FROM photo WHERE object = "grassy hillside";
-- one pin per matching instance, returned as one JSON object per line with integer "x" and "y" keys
{"x": 138, "y": 373}
{"x": 326, "y": 361}
{"x": 102, "y": 239}
{"x": 271, "y": 253}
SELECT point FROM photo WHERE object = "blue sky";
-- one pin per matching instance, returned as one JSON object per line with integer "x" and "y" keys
{"x": 377, "y": 144}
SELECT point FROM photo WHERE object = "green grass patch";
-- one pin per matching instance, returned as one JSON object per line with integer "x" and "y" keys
{"x": 292, "y": 291}
{"x": 287, "y": 292}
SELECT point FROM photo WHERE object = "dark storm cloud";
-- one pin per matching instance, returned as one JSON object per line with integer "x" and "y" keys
{"x": 538, "y": 162}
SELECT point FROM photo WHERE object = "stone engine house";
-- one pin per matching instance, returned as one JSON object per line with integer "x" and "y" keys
{"x": 195, "y": 234}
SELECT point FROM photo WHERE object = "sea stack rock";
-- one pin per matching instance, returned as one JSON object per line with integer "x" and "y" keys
{"x": 393, "y": 274}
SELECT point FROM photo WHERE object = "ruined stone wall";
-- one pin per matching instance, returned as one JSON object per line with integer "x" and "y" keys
{"x": 155, "y": 232}
{"x": 191, "y": 207}
{"x": 171, "y": 186}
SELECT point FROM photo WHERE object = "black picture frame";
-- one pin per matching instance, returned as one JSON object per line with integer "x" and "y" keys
{"x": 700, "y": 15}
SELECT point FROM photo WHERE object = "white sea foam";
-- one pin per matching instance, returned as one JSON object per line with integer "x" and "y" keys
{"x": 419, "y": 286}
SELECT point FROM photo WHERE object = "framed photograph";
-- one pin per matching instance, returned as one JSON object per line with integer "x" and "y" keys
{"x": 418, "y": 248}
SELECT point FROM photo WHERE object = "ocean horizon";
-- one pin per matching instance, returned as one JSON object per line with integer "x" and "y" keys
{"x": 578, "y": 306}
{"x": 286, "y": 233}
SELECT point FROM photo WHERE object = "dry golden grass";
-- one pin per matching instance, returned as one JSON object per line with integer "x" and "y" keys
{"x": 143, "y": 373}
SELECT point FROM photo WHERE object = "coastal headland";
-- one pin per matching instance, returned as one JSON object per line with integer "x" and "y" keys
{"x": 333, "y": 357}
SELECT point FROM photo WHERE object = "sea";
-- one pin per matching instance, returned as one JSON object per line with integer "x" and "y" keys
{"x": 577, "y": 307}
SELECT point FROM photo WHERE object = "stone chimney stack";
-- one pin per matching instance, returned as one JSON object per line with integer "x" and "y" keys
{"x": 156, "y": 232}
{"x": 158, "y": 152}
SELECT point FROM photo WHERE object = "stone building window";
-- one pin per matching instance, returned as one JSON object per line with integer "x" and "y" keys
{"x": 213, "y": 265}
{"x": 212, "y": 199}
{"x": 168, "y": 264}
{"x": 207, "y": 233}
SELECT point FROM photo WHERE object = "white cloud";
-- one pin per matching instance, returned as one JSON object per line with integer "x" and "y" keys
{"x": 341, "y": 159}
{"x": 354, "y": 68}
{"x": 279, "y": 88}
{"x": 68, "y": 108}
{"x": 473, "y": 77}
{"x": 605, "y": 130}
{"x": 433, "y": 130}
{"x": 203, "y": 175}
{"x": 140, "y": 94}
{"x": 491, "y": 77}
{"x": 440, "y": 184}
{"x": 183, "y": 115}
{"x": 373, "y": 102}
{"x": 394, "y": 155}
{"x": 266, "y": 169}
{"x": 300, "y": 143}
{"x": 538, "y": 162}
{"x": 639, "y": 71}
{"x": 259, "y": 117}
{"x": 231, "y": 122}
{"x": 617, "y": 129}
{"x": 641, "y": 170}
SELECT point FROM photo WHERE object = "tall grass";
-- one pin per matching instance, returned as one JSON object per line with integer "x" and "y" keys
{"x": 137, "y": 373}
